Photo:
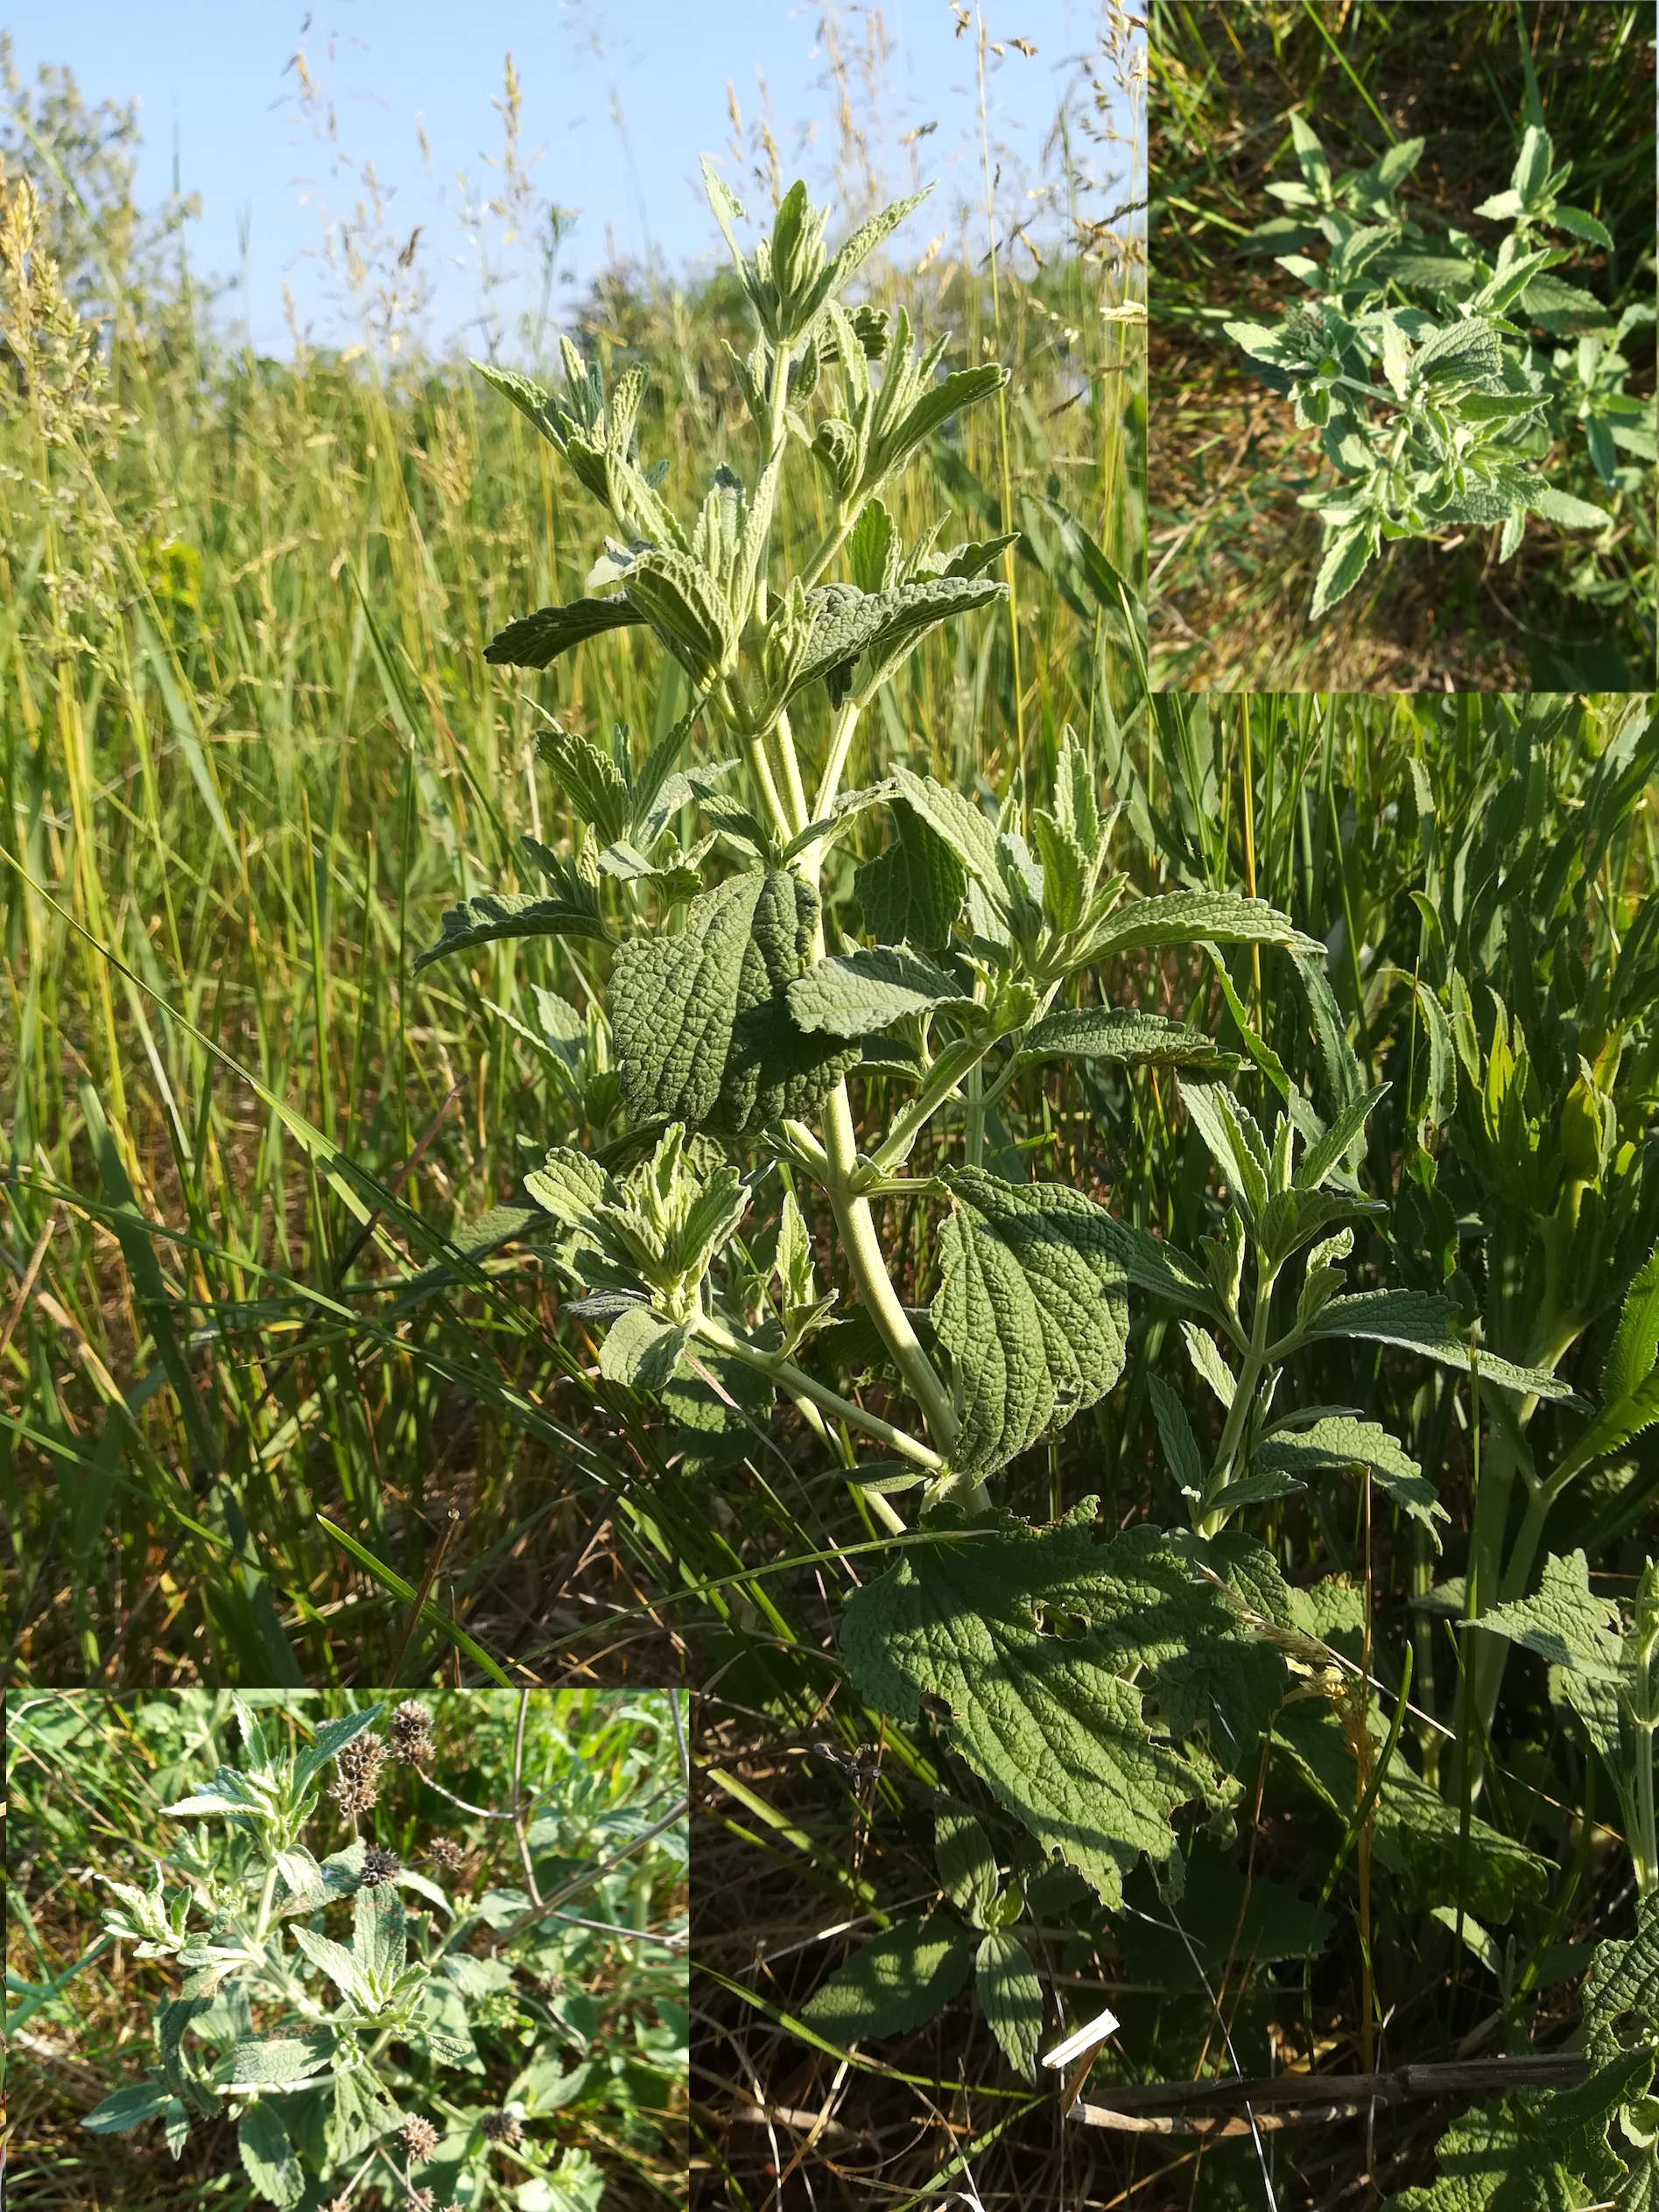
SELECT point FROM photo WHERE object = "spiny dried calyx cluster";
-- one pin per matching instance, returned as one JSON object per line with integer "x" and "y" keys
{"x": 408, "y": 1742}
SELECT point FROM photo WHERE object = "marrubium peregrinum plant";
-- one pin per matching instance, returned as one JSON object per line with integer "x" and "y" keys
{"x": 1412, "y": 358}
{"x": 750, "y": 992}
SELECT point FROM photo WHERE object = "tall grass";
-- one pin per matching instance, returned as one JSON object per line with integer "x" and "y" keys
{"x": 262, "y": 1421}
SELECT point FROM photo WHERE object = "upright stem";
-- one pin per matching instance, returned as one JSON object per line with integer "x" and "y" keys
{"x": 864, "y": 1256}
{"x": 267, "y": 1899}
{"x": 1256, "y": 1360}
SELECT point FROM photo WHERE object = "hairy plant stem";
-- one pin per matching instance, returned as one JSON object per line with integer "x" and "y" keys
{"x": 796, "y": 1381}
{"x": 869, "y": 1264}
{"x": 267, "y": 1899}
{"x": 1213, "y": 1519}
{"x": 958, "y": 1060}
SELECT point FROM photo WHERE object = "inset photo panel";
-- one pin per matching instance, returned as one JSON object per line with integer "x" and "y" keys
{"x": 336, "y": 1952}
{"x": 1401, "y": 392}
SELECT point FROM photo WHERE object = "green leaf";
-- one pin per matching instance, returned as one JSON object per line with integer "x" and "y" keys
{"x": 703, "y": 1030}
{"x": 912, "y": 891}
{"x": 1560, "y": 308}
{"x": 1579, "y": 222}
{"x": 1569, "y": 512}
{"x": 1417, "y": 1833}
{"x": 1497, "y": 406}
{"x": 1181, "y": 1451}
{"x": 1315, "y": 164}
{"x": 687, "y": 609}
{"x": 330, "y": 1738}
{"x": 1502, "y": 206}
{"x": 339, "y": 1964}
{"x": 1623, "y": 1984}
{"x": 1532, "y": 164}
{"x": 130, "y": 2107}
{"x": 896, "y": 1982}
{"x": 510, "y": 914}
{"x": 1469, "y": 352}
{"x": 642, "y": 1350}
{"x": 1347, "y": 554}
{"x": 967, "y": 1862}
{"x": 1227, "y": 1130}
{"x": 959, "y": 822}
{"x": 1192, "y": 917}
{"x": 379, "y": 1934}
{"x": 883, "y": 626}
{"x": 1160, "y": 1269}
{"x": 277, "y": 2061}
{"x": 268, "y": 2157}
{"x": 1032, "y": 1308}
{"x": 1635, "y": 1342}
{"x": 1057, "y": 1736}
{"x": 1339, "y": 1440}
{"x": 1331, "y": 1149}
{"x": 363, "y": 2113}
{"x": 1565, "y": 1622}
{"x": 1011, "y": 1999}
{"x": 1422, "y": 1322}
{"x": 1124, "y": 1034}
{"x": 856, "y": 993}
{"x": 535, "y": 641}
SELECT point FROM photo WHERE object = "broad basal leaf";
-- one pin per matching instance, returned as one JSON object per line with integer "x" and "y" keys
{"x": 1420, "y": 1321}
{"x": 1047, "y": 1720}
{"x": 858, "y": 993}
{"x": 1124, "y": 1033}
{"x": 703, "y": 1030}
{"x": 535, "y": 639}
{"x": 895, "y": 1982}
{"x": 1032, "y": 1309}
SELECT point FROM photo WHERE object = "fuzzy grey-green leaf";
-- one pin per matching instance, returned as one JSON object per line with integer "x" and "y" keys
{"x": 1032, "y": 1308}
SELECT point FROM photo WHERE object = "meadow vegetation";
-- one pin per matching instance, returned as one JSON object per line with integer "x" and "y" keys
{"x": 298, "y": 1949}
{"x": 1198, "y": 1563}
{"x": 1241, "y": 467}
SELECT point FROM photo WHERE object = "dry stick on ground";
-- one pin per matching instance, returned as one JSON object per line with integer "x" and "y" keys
{"x": 1343, "y": 2093}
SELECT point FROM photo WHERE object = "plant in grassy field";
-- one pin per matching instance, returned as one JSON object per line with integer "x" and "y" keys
{"x": 342, "y": 2065}
{"x": 1525, "y": 1168}
{"x": 1595, "y": 2145}
{"x": 1411, "y": 358}
{"x": 752, "y": 986}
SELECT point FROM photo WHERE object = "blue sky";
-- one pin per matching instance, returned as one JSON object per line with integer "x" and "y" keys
{"x": 618, "y": 102}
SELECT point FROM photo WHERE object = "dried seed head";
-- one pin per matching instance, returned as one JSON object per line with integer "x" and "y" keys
{"x": 357, "y": 1766}
{"x": 422, "y": 2200}
{"x": 378, "y": 1866}
{"x": 420, "y": 2137}
{"x": 443, "y": 1850}
{"x": 410, "y": 1733}
{"x": 499, "y": 2127}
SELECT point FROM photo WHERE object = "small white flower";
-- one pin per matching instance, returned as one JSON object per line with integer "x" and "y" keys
{"x": 1088, "y": 2038}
